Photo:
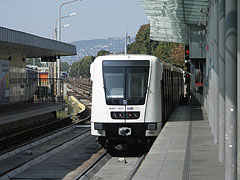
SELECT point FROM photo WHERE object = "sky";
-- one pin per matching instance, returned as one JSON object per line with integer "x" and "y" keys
{"x": 94, "y": 19}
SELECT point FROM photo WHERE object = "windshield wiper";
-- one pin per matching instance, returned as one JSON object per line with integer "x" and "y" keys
{"x": 108, "y": 94}
{"x": 146, "y": 88}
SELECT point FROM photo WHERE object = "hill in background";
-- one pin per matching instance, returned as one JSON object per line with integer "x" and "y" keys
{"x": 168, "y": 52}
{"x": 91, "y": 47}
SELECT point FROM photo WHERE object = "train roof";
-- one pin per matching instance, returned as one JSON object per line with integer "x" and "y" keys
{"x": 171, "y": 67}
{"x": 127, "y": 57}
{"x": 138, "y": 57}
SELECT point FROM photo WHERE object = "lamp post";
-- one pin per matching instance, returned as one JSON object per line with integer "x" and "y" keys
{"x": 56, "y": 30}
{"x": 127, "y": 38}
{"x": 52, "y": 66}
{"x": 59, "y": 17}
{"x": 58, "y": 21}
{"x": 59, "y": 29}
{"x": 57, "y": 37}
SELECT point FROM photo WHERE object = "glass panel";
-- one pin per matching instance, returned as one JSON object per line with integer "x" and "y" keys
{"x": 125, "y": 80}
{"x": 137, "y": 79}
{"x": 120, "y": 63}
{"x": 114, "y": 82}
{"x": 169, "y": 18}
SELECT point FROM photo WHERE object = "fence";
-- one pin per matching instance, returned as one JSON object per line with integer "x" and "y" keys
{"x": 41, "y": 90}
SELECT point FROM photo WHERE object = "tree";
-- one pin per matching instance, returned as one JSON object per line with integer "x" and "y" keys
{"x": 38, "y": 63}
{"x": 64, "y": 66}
{"x": 82, "y": 67}
{"x": 103, "y": 53}
{"x": 166, "y": 51}
{"x": 178, "y": 55}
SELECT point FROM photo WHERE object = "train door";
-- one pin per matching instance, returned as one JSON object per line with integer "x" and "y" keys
{"x": 197, "y": 79}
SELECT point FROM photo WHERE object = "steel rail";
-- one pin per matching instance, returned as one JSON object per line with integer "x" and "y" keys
{"x": 43, "y": 156}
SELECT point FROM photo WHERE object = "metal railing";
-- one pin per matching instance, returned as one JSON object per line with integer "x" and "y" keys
{"x": 38, "y": 90}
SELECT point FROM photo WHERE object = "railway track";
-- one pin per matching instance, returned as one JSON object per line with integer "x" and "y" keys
{"x": 11, "y": 139}
{"x": 70, "y": 153}
{"x": 36, "y": 152}
{"x": 31, "y": 154}
{"x": 117, "y": 165}
{"x": 34, "y": 142}
{"x": 81, "y": 89}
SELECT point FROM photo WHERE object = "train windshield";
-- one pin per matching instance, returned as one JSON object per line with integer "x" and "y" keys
{"x": 125, "y": 82}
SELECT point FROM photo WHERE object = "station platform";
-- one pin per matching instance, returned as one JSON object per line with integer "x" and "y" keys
{"x": 184, "y": 150}
{"x": 14, "y": 113}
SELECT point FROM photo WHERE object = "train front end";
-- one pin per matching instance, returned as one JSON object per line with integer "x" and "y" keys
{"x": 122, "y": 89}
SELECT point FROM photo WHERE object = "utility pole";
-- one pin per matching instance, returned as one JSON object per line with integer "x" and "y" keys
{"x": 127, "y": 38}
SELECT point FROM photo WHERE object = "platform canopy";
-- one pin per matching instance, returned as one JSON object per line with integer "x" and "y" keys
{"x": 17, "y": 43}
{"x": 170, "y": 19}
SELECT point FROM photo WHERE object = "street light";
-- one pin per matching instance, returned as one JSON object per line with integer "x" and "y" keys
{"x": 60, "y": 16}
{"x": 72, "y": 14}
{"x": 55, "y": 30}
{"x": 59, "y": 31}
{"x": 59, "y": 26}
{"x": 58, "y": 22}
{"x": 66, "y": 25}
{"x": 52, "y": 66}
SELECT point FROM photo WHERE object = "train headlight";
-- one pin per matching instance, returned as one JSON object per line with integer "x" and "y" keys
{"x": 117, "y": 115}
{"x": 152, "y": 127}
{"x": 98, "y": 126}
{"x": 132, "y": 115}
{"x": 127, "y": 115}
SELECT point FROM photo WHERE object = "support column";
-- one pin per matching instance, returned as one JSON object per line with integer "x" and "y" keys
{"x": 211, "y": 68}
{"x": 215, "y": 73}
{"x": 208, "y": 66}
{"x": 221, "y": 80}
{"x": 231, "y": 90}
{"x": 206, "y": 85}
{"x": 207, "y": 71}
{"x": 238, "y": 62}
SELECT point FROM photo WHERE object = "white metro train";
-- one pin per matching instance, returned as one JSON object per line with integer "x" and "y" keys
{"x": 132, "y": 97}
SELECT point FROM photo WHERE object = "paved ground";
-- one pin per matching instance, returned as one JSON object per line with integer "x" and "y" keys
{"x": 204, "y": 153}
{"x": 183, "y": 150}
{"x": 116, "y": 169}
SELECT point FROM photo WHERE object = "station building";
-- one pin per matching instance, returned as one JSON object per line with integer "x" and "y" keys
{"x": 22, "y": 95}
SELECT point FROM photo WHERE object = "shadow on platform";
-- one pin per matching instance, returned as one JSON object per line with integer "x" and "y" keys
{"x": 13, "y": 115}
{"x": 196, "y": 113}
